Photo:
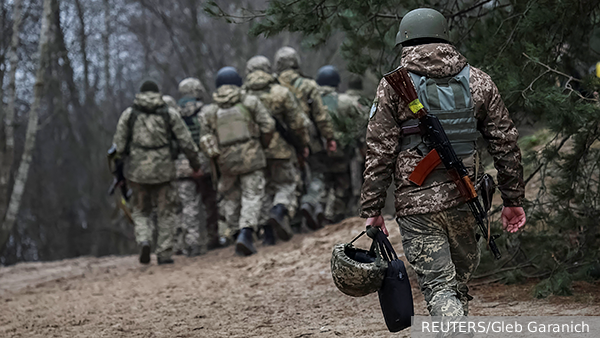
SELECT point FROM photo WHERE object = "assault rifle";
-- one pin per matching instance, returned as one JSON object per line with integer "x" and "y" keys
{"x": 291, "y": 139}
{"x": 116, "y": 165}
{"x": 442, "y": 151}
{"x": 116, "y": 168}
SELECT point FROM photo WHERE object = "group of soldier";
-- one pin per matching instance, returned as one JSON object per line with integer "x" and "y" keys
{"x": 273, "y": 154}
{"x": 276, "y": 143}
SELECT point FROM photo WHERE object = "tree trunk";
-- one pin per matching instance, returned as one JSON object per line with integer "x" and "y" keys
{"x": 106, "y": 42}
{"x": 32, "y": 127}
{"x": 9, "y": 154}
{"x": 83, "y": 46}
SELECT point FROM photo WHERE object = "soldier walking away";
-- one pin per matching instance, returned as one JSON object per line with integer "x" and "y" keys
{"x": 280, "y": 200}
{"x": 347, "y": 118}
{"x": 438, "y": 230}
{"x": 287, "y": 66}
{"x": 147, "y": 137}
{"x": 234, "y": 135}
{"x": 356, "y": 105}
{"x": 199, "y": 223}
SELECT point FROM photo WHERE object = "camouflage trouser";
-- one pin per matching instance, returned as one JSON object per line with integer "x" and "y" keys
{"x": 280, "y": 176}
{"x": 443, "y": 250}
{"x": 241, "y": 200}
{"x": 338, "y": 194}
{"x": 209, "y": 200}
{"x": 191, "y": 231}
{"x": 164, "y": 198}
{"x": 316, "y": 192}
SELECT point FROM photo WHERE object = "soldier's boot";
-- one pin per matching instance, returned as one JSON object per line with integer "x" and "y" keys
{"x": 145, "y": 253}
{"x": 269, "y": 235}
{"x": 244, "y": 243}
{"x": 165, "y": 260}
{"x": 308, "y": 213}
{"x": 196, "y": 250}
{"x": 320, "y": 216}
{"x": 280, "y": 222}
{"x": 213, "y": 243}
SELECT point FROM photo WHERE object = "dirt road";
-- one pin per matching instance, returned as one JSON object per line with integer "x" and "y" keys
{"x": 284, "y": 291}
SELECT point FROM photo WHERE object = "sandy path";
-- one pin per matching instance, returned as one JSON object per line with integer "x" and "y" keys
{"x": 284, "y": 291}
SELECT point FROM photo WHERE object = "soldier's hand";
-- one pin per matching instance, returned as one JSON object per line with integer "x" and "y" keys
{"x": 378, "y": 222}
{"x": 197, "y": 174}
{"x": 331, "y": 145}
{"x": 305, "y": 152}
{"x": 513, "y": 218}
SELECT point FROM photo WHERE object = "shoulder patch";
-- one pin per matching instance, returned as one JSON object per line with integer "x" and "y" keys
{"x": 373, "y": 109}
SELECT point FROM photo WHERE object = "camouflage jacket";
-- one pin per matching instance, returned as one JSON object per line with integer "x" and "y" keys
{"x": 282, "y": 104}
{"x": 348, "y": 114}
{"x": 191, "y": 109}
{"x": 242, "y": 157}
{"x": 307, "y": 92}
{"x": 149, "y": 160}
{"x": 354, "y": 105}
{"x": 384, "y": 157}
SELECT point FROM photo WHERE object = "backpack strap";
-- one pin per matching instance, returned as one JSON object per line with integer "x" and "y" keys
{"x": 130, "y": 122}
{"x": 162, "y": 111}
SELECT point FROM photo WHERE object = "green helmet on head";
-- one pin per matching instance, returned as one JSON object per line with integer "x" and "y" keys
{"x": 191, "y": 87}
{"x": 422, "y": 23}
{"x": 286, "y": 58}
{"x": 258, "y": 62}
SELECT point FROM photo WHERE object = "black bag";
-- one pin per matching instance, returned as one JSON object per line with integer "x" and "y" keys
{"x": 395, "y": 295}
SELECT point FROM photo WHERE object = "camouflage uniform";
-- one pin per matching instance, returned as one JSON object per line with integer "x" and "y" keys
{"x": 439, "y": 238}
{"x": 150, "y": 165}
{"x": 241, "y": 163}
{"x": 283, "y": 106}
{"x": 198, "y": 230}
{"x": 319, "y": 121}
{"x": 357, "y": 106}
{"x": 347, "y": 115}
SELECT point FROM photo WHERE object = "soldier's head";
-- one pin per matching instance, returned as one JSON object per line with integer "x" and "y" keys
{"x": 286, "y": 58}
{"x": 258, "y": 62}
{"x": 228, "y": 76}
{"x": 421, "y": 26}
{"x": 170, "y": 101}
{"x": 191, "y": 87}
{"x": 149, "y": 86}
{"x": 355, "y": 82}
{"x": 328, "y": 76}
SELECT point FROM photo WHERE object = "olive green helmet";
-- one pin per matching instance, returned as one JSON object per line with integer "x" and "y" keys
{"x": 422, "y": 23}
{"x": 356, "y": 272}
{"x": 258, "y": 62}
{"x": 286, "y": 58}
{"x": 191, "y": 87}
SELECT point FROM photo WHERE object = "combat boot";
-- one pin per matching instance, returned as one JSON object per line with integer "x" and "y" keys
{"x": 196, "y": 250}
{"x": 145, "y": 252}
{"x": 320, "y": 216}
{"x": 268, "y": 235}
{"x": 280, "y": 222}
{"x": 167, "y": 260}
{"x": 308, "y": 213}
{"x": 243, "y": 243}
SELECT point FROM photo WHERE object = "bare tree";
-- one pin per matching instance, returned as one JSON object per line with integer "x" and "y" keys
{"x": 9, "y": 152}
{"x": 32, "y": 127}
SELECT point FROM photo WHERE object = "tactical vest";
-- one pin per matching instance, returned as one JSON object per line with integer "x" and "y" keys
{"x": 330, "y": 100}
{"x": 162, "y": 111}
{"x": 450, "y": 100}
{"x": 233, "y": 125}
{"x": 191, "y": 121}
{"x": 193, "y": 126}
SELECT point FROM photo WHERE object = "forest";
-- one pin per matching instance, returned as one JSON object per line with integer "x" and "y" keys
{"x": 68, "y": 68}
